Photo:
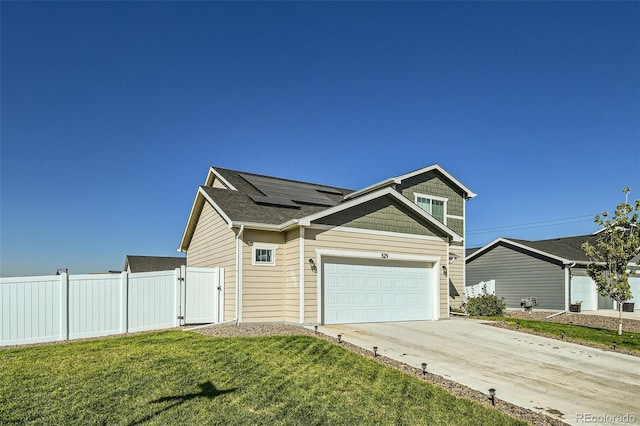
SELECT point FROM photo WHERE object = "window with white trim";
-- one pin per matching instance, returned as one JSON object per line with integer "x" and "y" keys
{"x": 263, "y": 254}
{"x": 435, "y": 206}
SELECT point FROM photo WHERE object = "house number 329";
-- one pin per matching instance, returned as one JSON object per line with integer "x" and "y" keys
{"x": 385, "y": 255}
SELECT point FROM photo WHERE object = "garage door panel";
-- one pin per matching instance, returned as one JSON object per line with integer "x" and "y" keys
{"x": 357, "y": 290}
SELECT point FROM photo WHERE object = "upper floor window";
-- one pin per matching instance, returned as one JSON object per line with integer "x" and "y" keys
{"x": 435, "y": 206}
{"x": 263, "y": 254}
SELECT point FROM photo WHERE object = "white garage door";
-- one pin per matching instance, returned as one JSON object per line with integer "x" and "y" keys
{"x": 366, "y": 290}
{"x": 634, "y": 283}
{"x": 584, "y": 289}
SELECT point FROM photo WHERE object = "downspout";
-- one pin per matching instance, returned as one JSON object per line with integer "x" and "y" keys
{"x": 567, "y": 284}
{"x": 239, "y": 273}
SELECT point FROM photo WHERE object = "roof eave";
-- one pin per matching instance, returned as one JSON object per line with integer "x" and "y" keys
{"x": 519, "y": 245}
{"x": 306, "y": 221}
{"x": 198, "y": 203}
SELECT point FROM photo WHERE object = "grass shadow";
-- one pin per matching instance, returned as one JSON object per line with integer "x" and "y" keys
{"x": 207, "y": 390}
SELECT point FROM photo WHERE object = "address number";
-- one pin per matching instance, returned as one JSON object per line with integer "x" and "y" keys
{"x": 385, "y": 255}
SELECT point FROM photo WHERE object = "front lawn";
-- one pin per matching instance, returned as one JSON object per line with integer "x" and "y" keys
{"x": 602, "y": 337}
{"x": 178, "y": 377}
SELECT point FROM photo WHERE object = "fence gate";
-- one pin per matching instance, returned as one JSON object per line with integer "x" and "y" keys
{"x": 201, "y": 295}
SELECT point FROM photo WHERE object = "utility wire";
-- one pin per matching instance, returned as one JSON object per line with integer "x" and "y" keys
{"x": 530, "y": 225}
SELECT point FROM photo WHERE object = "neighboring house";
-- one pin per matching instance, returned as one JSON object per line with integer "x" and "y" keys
{"x": 152, "y": 263}
{"x": 298, "y": 252}
{"x": 553, "y": 271}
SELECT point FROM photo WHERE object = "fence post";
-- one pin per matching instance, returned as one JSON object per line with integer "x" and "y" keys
{"x": 64, "y": 306}
{"x": 124, "y": 302}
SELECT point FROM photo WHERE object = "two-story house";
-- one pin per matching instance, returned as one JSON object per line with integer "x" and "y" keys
{"x": 298, "y": 252}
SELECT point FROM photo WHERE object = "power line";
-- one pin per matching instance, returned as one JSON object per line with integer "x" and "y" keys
{"x": 530, "y": 225}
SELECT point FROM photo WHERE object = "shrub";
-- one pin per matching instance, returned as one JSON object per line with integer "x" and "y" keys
{"x": 486, "y": 304}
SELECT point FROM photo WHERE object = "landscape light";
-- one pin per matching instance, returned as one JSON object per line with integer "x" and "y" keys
{"x": 517, "y": 326}
{"x": 424, "y": 369}
{"x": 563, "y": 335}
{"x": 315, "y": 328}
{"x": 614, "y": 346}
{"x": 375, "y": 351}
{"x": 492, "y": 396}
{"x": 339, "y": 338}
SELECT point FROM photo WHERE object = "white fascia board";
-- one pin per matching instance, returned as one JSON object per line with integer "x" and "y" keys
{"x": 522, "y": 246}
{"x": 196, "y": 209}
{"x": 190, "y": 226}
{"x": 266, "y": 226}
{"x": 213, "y": 173}
{"x": 470, "y": 194}
{"x": 371, "y": 188}
{"x": 215, "y": 206}
{"x": 306, "y": 221}
{"x": 398, "y": 180}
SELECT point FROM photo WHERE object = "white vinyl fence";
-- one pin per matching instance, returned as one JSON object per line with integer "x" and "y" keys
{"x": 476, "y": 289}
{"x": 64, "y": 307}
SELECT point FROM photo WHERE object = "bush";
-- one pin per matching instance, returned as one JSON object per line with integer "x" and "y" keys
{"x": 486, "y": 305}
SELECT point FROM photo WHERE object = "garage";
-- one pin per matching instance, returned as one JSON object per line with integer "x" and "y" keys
{"x": 584, "y": 289}
{"x": 378, "y": 290}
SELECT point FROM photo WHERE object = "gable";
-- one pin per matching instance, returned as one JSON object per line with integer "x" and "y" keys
{"x": 489, "y": 251}
{"x": 382, "y": 214}
{"x": 435, "y": 184}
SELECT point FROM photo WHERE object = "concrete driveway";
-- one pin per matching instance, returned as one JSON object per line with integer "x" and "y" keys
{"x": 577, "y": 384}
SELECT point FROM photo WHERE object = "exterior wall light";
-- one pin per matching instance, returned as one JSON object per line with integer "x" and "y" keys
{"x": 313, "y": 265}
{"x": 492, "y": 396}
{"x": 424, "y": 369}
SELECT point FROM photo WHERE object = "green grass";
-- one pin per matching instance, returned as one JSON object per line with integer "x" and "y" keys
{"x": 178, "y": 377}
{"x": 604, "y": 337}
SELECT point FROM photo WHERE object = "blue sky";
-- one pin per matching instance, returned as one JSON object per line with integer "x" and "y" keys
{"x": 112, "y": 112}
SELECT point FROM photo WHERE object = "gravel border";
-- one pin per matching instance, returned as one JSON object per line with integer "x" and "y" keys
{"x": 457, "y": 389}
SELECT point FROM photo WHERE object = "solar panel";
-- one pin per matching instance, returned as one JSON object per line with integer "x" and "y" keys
{"x": 273, "y": 201}
{"x": 294, "y": 191}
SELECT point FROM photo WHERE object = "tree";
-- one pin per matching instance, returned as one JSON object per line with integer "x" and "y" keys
{"x": 618, "y": 243}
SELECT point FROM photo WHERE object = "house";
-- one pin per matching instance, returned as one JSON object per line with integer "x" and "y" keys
{"x": 152, "y": 263}
{"x": 553, "y": 271}
{"x": 298, "y": 252}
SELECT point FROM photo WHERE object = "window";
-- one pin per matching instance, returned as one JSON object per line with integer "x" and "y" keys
{"x": 435, "y": 206}
{"x": 263, "y": 254}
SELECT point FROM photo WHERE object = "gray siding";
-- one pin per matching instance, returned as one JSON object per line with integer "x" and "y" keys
{"x": 518, "y": 275}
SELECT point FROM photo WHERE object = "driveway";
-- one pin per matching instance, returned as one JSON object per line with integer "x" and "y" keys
{"x": 564, "y": 380}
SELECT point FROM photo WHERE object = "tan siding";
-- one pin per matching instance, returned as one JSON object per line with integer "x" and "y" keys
{"x": 341, "y": 240}
{"x": 292, "y": 277}
{"x": 213, "y": 244}
{"x": 456, "y": 277}
{"x": 262, "y": 285}
{"x": 217, "y": 184}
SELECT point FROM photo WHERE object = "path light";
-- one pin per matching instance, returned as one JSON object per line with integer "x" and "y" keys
{"x": 339, "y": 338}
{"x": 517, "y": 326}
{"x": 614, "y": 346}
{"x": 315, "y": 328}
{"x": 424, "y": 369}
{"x": 492, "y": 396}
{"x": 563, "y": 335}
{"x": 375, "y": 351}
